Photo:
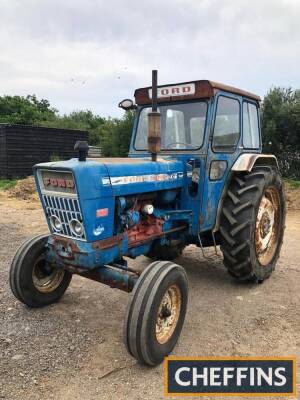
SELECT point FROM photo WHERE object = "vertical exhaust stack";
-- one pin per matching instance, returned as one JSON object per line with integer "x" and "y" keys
{"x": 154, "y": 122}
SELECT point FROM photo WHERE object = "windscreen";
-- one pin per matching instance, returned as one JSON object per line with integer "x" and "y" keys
{"x": 182, "y": 126}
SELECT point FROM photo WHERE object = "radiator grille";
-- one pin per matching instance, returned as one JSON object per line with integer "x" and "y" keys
{"x": 65, "y": 209}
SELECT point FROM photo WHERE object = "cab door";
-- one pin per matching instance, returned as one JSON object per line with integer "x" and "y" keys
{"x": 223, "y": 149}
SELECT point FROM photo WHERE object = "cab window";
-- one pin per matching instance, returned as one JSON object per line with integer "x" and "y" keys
{"x": 182, "y": 126}
{"x": 227, "y": 124}
{"x": 250, "y": 126}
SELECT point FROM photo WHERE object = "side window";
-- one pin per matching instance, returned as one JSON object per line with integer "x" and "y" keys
{"x": 250, "y": 126}
{"x": 227, "y": 125}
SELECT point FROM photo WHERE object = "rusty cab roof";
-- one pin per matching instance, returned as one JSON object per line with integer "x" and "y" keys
{"x": 188, "y": 90}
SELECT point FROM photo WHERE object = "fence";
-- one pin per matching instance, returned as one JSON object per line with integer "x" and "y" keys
{"x": 21, "y": 147}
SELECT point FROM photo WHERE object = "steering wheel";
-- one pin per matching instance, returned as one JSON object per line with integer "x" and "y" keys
{"x": 174, "y": 143}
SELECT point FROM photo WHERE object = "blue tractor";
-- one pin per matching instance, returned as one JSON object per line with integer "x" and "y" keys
{"x": 195, "y": 175}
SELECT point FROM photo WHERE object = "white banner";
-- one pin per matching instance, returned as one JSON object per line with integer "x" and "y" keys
{"x": 185, "y": 89}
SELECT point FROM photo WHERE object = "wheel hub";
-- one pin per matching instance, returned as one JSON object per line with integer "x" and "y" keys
{"x": 168, "y": 314}
{"x": 45, "y": 279}
{"x": 267, "y": 226}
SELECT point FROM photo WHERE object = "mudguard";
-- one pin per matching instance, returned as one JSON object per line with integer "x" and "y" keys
{"x": 245, "y": 162}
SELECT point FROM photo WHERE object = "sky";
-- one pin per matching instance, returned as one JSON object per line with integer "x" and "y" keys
{"x": 91, "y": 54}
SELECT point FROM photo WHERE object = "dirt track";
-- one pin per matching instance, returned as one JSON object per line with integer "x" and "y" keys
{"x": 74, "y": 350}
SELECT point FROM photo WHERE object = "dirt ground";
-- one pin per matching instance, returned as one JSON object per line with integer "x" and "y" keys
{"x": 73, "y": 349}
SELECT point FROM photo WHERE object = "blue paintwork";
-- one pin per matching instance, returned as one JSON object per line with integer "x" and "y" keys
{"x": 99, "y": 186}
{"x": 97, "y": 192}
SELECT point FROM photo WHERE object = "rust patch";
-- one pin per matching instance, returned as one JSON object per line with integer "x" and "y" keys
{"x": 267, "y": 226}
{"x": 203, "y": 89}
{"x": 65, "y": 243}
{"x": 140, "y": 242}
{"x": 125, "y": 280}
{"x": 107, "y": 243}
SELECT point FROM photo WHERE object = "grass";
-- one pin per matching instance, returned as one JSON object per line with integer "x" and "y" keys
{"x": 7, "y": 183}
{"x": 294, "y": 184}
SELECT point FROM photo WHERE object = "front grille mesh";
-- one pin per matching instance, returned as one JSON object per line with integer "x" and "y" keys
{"x": 65, "y": 209}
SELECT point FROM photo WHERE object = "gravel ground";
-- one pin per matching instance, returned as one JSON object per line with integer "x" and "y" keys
{"x": 74, "y": 350}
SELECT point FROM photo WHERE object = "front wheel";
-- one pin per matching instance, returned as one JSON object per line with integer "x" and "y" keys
{"x": 31, "y": 280}
{"x": 252, "y": 224}
{"x": 156, "y": 312}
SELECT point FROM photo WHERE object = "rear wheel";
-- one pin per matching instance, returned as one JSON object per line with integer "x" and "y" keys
{"x": 252, "y": 224}
{"x": 156, "y": 312}
{"x": 31, "y": 280}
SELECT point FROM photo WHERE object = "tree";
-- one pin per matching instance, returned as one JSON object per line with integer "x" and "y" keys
{"x": 84, "y": 120}
{"x": 25, "y": 110}
{"x": 281, "y": 128}
{"x": 115, "y": 134}
{"x": 281, "y": 119}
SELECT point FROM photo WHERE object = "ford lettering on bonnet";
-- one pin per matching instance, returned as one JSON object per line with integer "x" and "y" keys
{"x": 57, "y": 181}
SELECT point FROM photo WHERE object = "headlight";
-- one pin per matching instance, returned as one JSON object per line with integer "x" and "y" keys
{"x": 55, "y": 223}
{"x": 76, "y": 227}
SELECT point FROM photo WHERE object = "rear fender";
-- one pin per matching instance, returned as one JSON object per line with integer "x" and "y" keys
{"x": 244, "y": 163}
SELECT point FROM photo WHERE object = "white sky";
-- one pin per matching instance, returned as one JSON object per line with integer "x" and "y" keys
{"x": 91, "y": 54}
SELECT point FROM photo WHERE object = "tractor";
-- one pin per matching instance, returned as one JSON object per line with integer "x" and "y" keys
{"x": 195, "y": 174}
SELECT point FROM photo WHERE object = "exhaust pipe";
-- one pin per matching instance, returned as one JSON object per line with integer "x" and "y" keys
{"x": 154, "y": 122}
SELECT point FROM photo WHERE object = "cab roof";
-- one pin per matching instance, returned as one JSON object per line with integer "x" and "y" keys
{"x": 188, "y": 90}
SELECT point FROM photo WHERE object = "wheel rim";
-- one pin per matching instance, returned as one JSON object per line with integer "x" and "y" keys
{"x": 267, "y": 226}
{"x": 46, "y": 280}
{"x": 168, "y": 314}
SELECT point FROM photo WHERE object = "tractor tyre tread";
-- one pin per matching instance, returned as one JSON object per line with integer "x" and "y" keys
{"x": 139, "y": 314}
{"x": 238, "y": 221}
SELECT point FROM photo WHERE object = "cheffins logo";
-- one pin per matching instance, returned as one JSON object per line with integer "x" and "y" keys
{"x": 237, "y": 376}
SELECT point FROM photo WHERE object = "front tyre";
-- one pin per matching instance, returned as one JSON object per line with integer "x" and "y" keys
{"x": 252, "y": 224}
{"x": 156, "y": 312}
{"x": 31, "y": 281}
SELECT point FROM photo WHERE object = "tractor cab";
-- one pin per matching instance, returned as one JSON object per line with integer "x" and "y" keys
{"x": 194, "y": 113}
{"x": 205, "y": 124}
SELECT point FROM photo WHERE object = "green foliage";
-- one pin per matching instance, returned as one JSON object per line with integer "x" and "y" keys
{"x": 7, "y": 184}
{"x": 84, "y": 120}
{"x": 280, "y": 125}
{"x": 116, "y": 134}
{"x": 294, "y": 184}
{"x": 25, "y": 110}
{"x": 281, "y": 118}
{"x": 111, "y": 134}
{"x": 281, "y": 129}
{"x": 55, "y": 158}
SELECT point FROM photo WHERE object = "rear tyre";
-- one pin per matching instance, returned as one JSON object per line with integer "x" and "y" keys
{"x": 252, "y": 224}
{"x": 31, "y": 281}
{"x": 156, "y": 312}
